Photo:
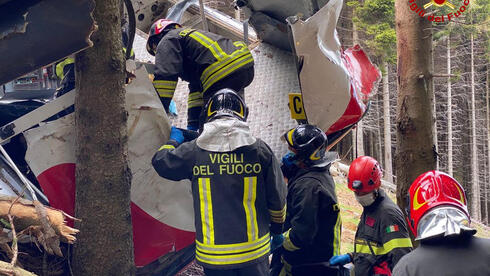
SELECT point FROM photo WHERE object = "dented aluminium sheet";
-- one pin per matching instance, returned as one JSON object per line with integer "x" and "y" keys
{"x": 161, "y": 210}
{"x": 335, "y": 84}
{"x": 35, "y": 33}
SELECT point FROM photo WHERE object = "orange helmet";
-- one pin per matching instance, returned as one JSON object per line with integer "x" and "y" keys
{"x": 430, "y": 190}
{"x": 157, "y": 31}
{"x": 364, "y": 175}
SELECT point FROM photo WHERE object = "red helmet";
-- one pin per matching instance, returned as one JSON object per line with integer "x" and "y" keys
{"x": 157, "y": 28}
{"x": 364, "y": 175}
{"x": 432, "y": 189}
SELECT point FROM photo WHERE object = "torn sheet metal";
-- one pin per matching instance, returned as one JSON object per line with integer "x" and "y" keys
{"x": 268, "y": 17}
{"x": 35, "y": 33}
{"x": 334, "y": 84}
{"x": 162, "y": 211}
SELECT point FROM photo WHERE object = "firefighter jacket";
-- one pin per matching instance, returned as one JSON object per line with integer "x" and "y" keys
{"x": 461, "y": 255}
{"x": 313, "y": 218}
{"x": 201, "y": 58}
{"x": 381, "y": 239}
{"x": 238, "y": 192}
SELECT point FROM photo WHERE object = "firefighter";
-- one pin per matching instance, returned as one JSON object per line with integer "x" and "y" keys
{"x": 65, "y": 70}
{"x": 439, "y": 219}
{"x": 209, "y": 62}
{"x": 313, "y": 221}
{"x": 238, "y": 189}
{"x": 382, "y": 236}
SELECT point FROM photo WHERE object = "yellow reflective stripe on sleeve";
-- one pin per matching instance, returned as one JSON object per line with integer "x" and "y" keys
{"x": 249, "y": 196}
{"x": 195, "y": 100}
{"x": 165, "y": 93}
{"x": 166, "y": 147}
{"x": 164, "y": 84}
{"x": 195, "y": 96}
{"x": 209, "y": 44}
{"x": 211, "y": 69}
{"x": 233, "y": 258}
{"x": 192, "y": 104}
{"x": 226, "y": 70}
{"x": 363, "y": 247}
{"x": 337, "y": 235}
{"x": 288, "y": 244}
{"x": 278, "y": 216}
{"x": 206, "y": 207}
{"x": 233, "y": 248}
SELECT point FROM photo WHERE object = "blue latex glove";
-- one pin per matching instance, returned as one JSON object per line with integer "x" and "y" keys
{"x": 172, "y": 108}
{"x": 340, "y": 259}
{"x": 288, "y": 166}
{"x": 177, "y": 135}
{"x": 276, "y": 241}
{"x": 289, "y": 159}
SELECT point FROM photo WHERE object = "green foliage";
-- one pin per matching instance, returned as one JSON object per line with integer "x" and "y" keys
{"x": 377, "y": 19}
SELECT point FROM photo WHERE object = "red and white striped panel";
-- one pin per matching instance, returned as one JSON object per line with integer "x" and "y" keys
{"x": 162, "y": 212}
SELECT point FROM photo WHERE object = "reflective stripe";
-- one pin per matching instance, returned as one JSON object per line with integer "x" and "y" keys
{"x": 233, "y": 258}
{"x": 225, "y": 71}
{"x": 197, "y": 103}
{"x": 166, "y": 147}
{"x": 361, "y": 246}
{"x": 195, "y": 100}
{"x": 233, "y": 248}
{"x": 206, "y": 207}
{"x": 278, "y": 216}
{"x": 211, "y": 69}
{"x": 60, "y": 66}
{"x": 165, "y": 82}
{"x": 165, "y": 93}
{"x": 209, "y": 44}
{"x": 132, "y": 52}
{"x": 165, "y": 89}
{"x": 195, "y": 96}
{"x": 286, "y": 268}
{"x": 288, "y": 244}
{"x": 337, "y": 235}
{"x": 249, "y": 195}
{"x": 225, "y": 64}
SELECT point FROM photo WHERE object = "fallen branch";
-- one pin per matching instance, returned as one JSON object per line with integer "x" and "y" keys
{"x": 8, "y": 269}
{"x": 46, "y": 224}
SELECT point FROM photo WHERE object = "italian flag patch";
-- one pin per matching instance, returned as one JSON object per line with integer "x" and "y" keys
{"x": 392, "y": 228}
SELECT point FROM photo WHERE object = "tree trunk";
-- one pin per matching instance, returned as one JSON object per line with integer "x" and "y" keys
{"x": 449, "y": 111}
{"x": 387, "y": 124}
{"x": 487, "y": 184}
{"x": 415, "y": 150}
{"x": 434, "y": 109}
{"x": 103, "y": 177}
{"x": 358, "y": 134}
{"x": 475, "y": 188}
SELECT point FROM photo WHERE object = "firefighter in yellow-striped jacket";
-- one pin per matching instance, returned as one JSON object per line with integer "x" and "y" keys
{"x": 313, "y": 223}
{"x": 382, "y": 237}
{"x": 238, "y": 189}
{"x": 209, "y": 62}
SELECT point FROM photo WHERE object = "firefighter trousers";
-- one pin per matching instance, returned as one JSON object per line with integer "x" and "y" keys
{"x": 258, "y": 269}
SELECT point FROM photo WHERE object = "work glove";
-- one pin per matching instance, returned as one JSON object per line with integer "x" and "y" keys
{"x": 176, "y": 135}
{"x": 276, "y": 241}
{"x": 288, "y": 166}
{"x": 340, "y": 259}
